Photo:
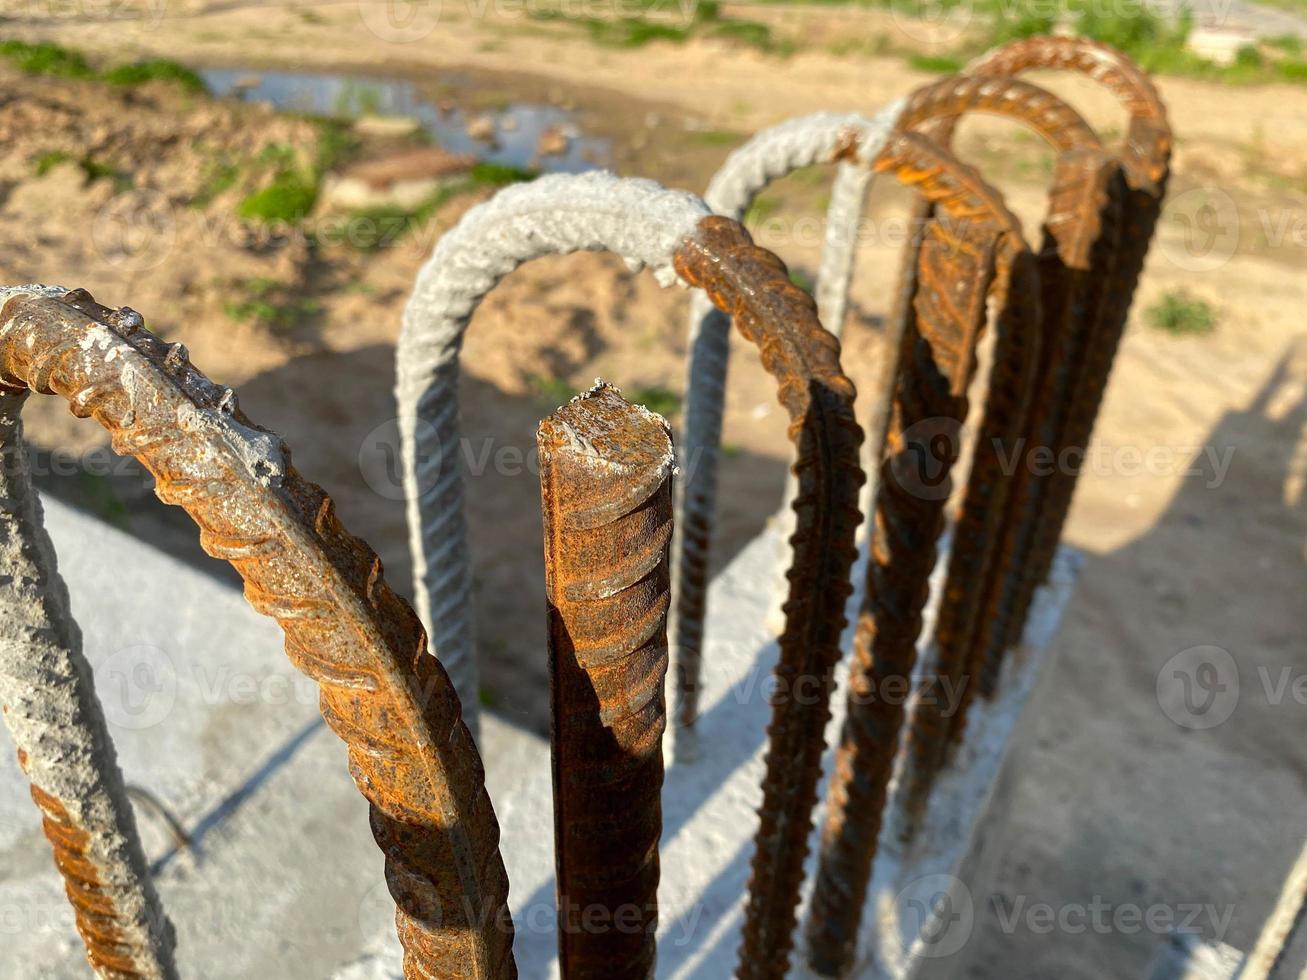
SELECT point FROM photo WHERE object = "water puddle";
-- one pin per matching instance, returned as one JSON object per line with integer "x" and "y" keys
{"x": 517, "y": 126}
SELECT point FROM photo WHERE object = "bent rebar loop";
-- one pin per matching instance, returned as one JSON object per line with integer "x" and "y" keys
{"x": 673, "y": 233}
{"x": 1145, "y": 162}
{"x": 979, "y": 523}
{"x": 972, "y": 251}
{"x": 64, "y": 746}
{"x": 853, "y": 141}
{"x": 409, "y": 753}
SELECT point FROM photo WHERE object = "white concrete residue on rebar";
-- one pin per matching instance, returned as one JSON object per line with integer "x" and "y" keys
{"x": 637, "y": 219}
{"x": 53, "y": 713}
{"x": 770, "y": 155}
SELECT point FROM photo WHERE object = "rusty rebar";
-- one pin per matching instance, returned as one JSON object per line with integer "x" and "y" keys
{"x": 1081, "y": 245}
{"x": 1145, "y": 161}
{"x": 851, "y": 141}
{"x": 971, "y": 249}
{"x": 977, "y": 554}
{"x": 752, "y": 286}
{"x": 409, "y": 752}
{"x": 605, "y": 487}
{"x": 64, "y": 747}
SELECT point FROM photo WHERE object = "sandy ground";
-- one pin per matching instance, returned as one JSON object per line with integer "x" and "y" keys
{"x": 1191, "y": 508}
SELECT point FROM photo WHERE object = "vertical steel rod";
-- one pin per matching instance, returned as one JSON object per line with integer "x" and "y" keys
{"x": 605, "y": 487}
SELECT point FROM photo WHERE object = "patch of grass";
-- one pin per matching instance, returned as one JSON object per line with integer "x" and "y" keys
{"x": 156, "y": 70}
{"x": 271, "y": 304}
{"x": 1180, "y": 314}
{"x": 46, "y": 58}
{"x": 716, "y": 137}
{"x": 337, "y": 143}
{"x": 802, "y": 280}
{"x": 550, "y": 392}
{"x": 943, "y": 64}
{"x": 706, "y": 21}
{"x": 219, "y": 176}
{"x": 92, "y": 169}
{"x": 46, "y": 162}
{"x": 288, "y": 199}
{"x": 655, "y": 398}
{"x": 379, "y": 227}
{"x": 762, "y": 208}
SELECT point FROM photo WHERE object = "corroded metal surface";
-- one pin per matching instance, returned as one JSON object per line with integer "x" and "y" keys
{"x": 1081, "y": 243}
{"x": 64, "y": 748}
{"x": 752, "y": 286}
{"x": 409, "y": 752}
{"x": 971, "y": 249}
{"x": 980, "y": 553}
{"x": 639, "y": 220}
{"x": 853, "y": 140}
{"x": 606, "y": 492}
{"x": 1145, "y": 160}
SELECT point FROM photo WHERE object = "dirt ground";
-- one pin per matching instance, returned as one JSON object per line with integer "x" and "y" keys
{"x": 1191, "y": 507}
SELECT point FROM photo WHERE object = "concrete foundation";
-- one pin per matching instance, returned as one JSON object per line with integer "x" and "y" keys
{"x": 282, "y": 877}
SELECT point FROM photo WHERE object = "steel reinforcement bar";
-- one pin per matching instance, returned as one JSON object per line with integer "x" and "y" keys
{"x": 409, "y": 753}
{"x": 64, "y": 747}
{"x": 672, "y": 233}
{"x": 971, "y": 249}
{"x": 606, "y": 492}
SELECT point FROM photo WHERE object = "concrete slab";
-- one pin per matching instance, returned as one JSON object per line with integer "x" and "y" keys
{"x": 283, "y": 878}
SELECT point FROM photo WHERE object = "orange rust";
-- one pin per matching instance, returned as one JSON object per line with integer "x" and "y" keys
{"x": 752, "y": 286}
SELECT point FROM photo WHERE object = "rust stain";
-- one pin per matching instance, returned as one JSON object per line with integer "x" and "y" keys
{"x": 970, "y": 248}
{"x": 409, "y": 753}
{"x": 606, "y": 492}
{"x": 752, "y": 286}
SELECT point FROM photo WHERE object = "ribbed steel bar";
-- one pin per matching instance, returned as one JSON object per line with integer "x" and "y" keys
{"x": 1080, "y": 248}
{"x": 409, "y": 752}
{"x": 1145, "y": 160}
{"x": 752, "y": 286}
{"x": 64, "y": 747}
{"x": 979, "y": 524}
{"x": 852, "y": 142}
{"x": 970, "y": 249}
{"x": 605, "y": 487}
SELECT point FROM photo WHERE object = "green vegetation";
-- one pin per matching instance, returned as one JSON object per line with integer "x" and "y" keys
{"x": 48, "y": 58}
{"x": 802, "y": 280}
{"x": 219, "y": 175}
{"x": 271, "y": 304}
{"x": 1180, "y": 314}
{"x": 943, "y": 64}
{"x": 92, "y": 169}
{"x": 380, "y": 227}
{"x": 288, "y": 199}
{"x": 657, "y": 399}
{"x": 550, "y": 392}
{"x": 762, "y": 208}
{"x": 156, "y": 70}
{"x": 668, "y": 23}
{"x": 716, "y": 137}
